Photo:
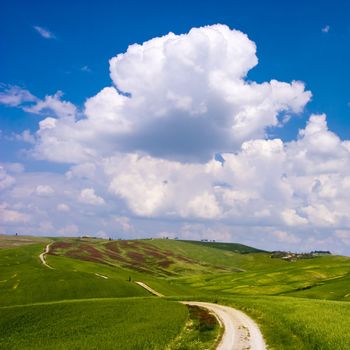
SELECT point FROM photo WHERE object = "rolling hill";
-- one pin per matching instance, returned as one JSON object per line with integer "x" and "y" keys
{"x": 91, "y": 279}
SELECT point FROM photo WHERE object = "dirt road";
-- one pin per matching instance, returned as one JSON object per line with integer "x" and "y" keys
{"x": 151, "y": 290}
{"x": 42, "y": 257}
{"x": 240, "y": 331}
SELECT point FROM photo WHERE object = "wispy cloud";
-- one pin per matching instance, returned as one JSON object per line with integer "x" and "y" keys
{"x": 15, "y": 95}
{"x": 44, "y": 32}
{"x": 54, "y": 105}
{"x": 326, "y": 29}
{"x": 85, "y": 69}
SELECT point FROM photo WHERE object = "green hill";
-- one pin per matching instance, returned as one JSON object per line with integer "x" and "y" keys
{"x": 92, "y": 279}
{"x": 231, "y": 247}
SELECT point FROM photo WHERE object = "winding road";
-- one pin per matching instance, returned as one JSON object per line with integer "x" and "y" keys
{"x": 151, "y": 290}
{"x": 240, "y": 331}
{"x": 42, "y": 256}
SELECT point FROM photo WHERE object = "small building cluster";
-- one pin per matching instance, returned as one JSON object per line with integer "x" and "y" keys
{"x": 289, "y": 256}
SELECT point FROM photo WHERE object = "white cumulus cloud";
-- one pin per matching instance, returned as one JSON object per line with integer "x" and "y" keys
{"x": 185, "y": 98}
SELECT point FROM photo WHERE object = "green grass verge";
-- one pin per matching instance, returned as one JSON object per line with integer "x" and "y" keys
{"x": 201, "y": 332}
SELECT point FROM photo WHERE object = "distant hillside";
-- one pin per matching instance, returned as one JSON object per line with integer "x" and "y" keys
{"x": 231, "y": 247}
{"x": 170, "y": 266}
{"x": 156, "y": 257}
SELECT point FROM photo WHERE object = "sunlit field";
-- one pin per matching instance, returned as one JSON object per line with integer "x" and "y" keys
{"x": 89, "y": 290}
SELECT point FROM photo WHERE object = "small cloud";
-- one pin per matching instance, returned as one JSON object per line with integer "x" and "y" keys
{"x": 6, "y": 180}
{"x": 88, "y": 196}
{"x": 44, "y": 32}
{"x": 44, "y": 190}
{"x": 285, "y": 119}
{"x": 86, "y": 69}
{"x": 53, "y": 104}
{"x": 291, "y": 218}
{"x": 14, "y": 96}
{"x": 25, "y": 136}
{"x": 8, "y": 215}
{"x": 326, "y": 29}
{"x": 124, "y": 223}
{"x": 62, "y": 207}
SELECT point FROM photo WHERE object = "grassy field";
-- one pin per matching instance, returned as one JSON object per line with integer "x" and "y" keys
{"x": 322, "y": 277}
{"x": 125, "y": 324}
{"x": 24, "y": 279}
{"x": 286, "y": 298}
{"x": 304, "y": 324}
{"x": 256, "y": 273}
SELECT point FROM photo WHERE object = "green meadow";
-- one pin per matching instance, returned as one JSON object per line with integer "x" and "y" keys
{"x": 124, "y": 324}
{"x": 90, "y": 296}
{"x": 290, "y": 323}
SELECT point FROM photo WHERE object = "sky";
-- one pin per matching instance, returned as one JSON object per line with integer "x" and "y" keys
{"x": 226, "y": 121}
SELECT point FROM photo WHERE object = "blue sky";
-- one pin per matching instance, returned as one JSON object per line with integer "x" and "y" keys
{"x": 64, "y": 46}
{"x": 290, "y": 43}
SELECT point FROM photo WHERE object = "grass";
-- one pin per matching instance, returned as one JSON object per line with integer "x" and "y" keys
{"x": 336, "y": 288}
{"x": 231, "y": 247}
{"x": 17, "y": 241}
{"x": 304, "y": 324}
{"x": 125, "y": 324}
{"x": 219, "y": 260}
{"x": 323, "y": 277}
{"x": 293, "y": 323}
{"x": 202, "y": 331}
{"x": 24, "y": 279}
{"x": 285, "y": 298}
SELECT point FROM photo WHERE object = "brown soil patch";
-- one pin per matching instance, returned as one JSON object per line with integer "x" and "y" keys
{"x": 90, "y": 250}
{"x": 113, "y": 247}
{"x": 165, "y": 263}
{"x": 59, "y": 245}
{"x": 136, "y": 257}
